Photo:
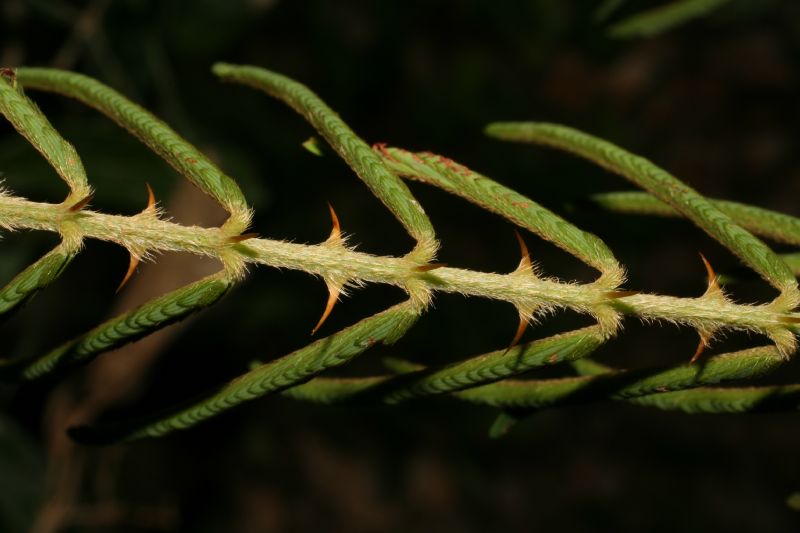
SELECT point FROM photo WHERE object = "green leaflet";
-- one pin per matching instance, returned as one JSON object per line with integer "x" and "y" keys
{"x": 127, "y": 327}
{"x": 793, "y": 260}
{"x": 29, "y": 121}
{"x": 744, "y": 364}
{"x": 771, "y": 224}
{"x": 385, "y": 327}
{"x": 625, "y": 385}
{"x": 370, "y": 168}
{"x": 518, "y": 395}
{"x": 36, "y": 277}
{"x": 664, "y": 186}
{"x": 502, "y": 425}
{"x": 157, "y": 135}
{"x": 330, "y": 391}
{"x": 492, "y": 196}
{"x": 727, "y": 400}
{"x": 311, "y": 145}
{"x": 537, "y": 394}
{"x": 495, "y": 366}
{"x": 661, "y": 19}
{"x": 482, "y": 379}
{"x": 401, "y": 366}
{"x": 589, "y": 367}
{"x": 486, "y": 368}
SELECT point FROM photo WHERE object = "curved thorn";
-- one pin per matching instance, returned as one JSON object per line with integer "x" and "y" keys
{"x": 620, "y": 294}
{"x": 336, "y": 232}
{"x": 709, "y": 268}
{"x": 134, "y": 262}
{"x": 523, "y": 325}
{"x": 151, "y": 198}
{"x": 242, "y": 237}
{"x": 333, "y": 297}
{"x": 704, "y": 338}
{"x": 712, "y": 276}
{"x": 80, "y": 204}
{"x": 525, "y": 262}
{"x": 429, "y": 266}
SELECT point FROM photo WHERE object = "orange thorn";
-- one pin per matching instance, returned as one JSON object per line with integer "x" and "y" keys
{"x": 620, "y": 294}
{"x": 523, "y": 325}
{"x": 134, "y": 262}
{"x": 80, "y": 204}
{"x": 429, "y": 266}
{"x": 242, "y": 237}
{"x": 333, "y": 297}
{"x": 151, "y": 198}
{"x": 525, "y": 262}
{"x": 709, "y": 268}
{"x": 712, "y": 276}
{"x": 700, "y": 348}
{"x": 336, "y": 233}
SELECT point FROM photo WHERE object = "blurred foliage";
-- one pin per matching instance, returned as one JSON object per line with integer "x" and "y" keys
{"x": 22, "y": 482}
{"x": 714, "y": 101}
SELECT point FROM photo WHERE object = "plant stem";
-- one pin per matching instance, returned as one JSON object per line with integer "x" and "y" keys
{"x": 146, "y": 233}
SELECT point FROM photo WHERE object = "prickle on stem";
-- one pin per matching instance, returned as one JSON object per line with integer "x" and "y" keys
{"x": 134, "y": 260}
{"x": 334, "y": 286}
{"x": 80, "y": 204}
{"x": 525, "y": 265}
{"x": 713, "y": 290}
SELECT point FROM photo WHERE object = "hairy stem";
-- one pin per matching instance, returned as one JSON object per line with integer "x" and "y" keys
{"x": 151, "y": 234}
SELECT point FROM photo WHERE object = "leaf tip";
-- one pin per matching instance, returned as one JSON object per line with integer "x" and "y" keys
{"x": 312, "y": 145}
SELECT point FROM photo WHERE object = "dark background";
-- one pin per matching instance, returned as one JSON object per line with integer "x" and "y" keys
{"x": 714, "y": 101}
